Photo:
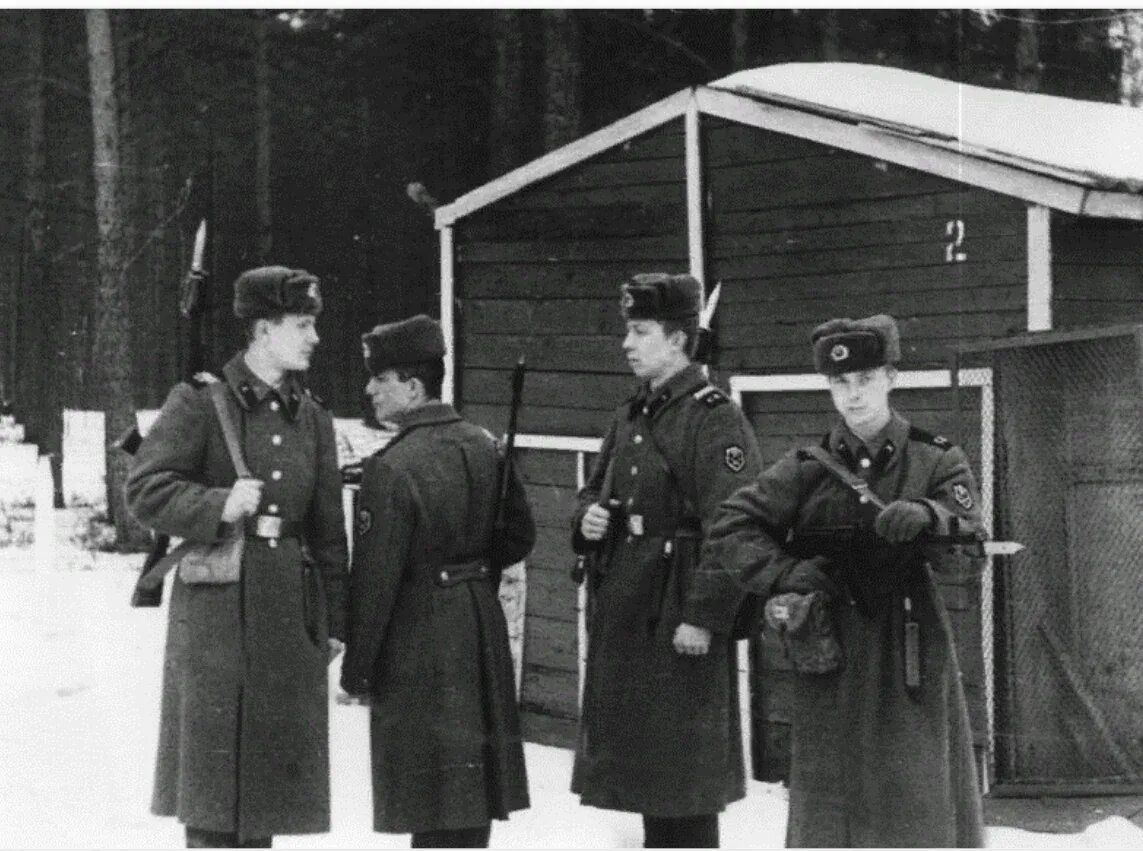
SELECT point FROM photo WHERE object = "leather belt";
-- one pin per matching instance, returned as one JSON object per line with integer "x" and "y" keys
{"x": 467, "y": 571}
{"x": 640, "y": 526}
{"x": 272, "y": 527}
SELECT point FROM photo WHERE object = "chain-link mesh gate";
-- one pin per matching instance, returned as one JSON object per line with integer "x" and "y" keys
{"x": 1067, "y": 612}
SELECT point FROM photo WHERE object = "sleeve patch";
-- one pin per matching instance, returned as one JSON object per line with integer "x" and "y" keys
{"x": 364, "y": 521}
{"x": 735, "y": 457}
{"x": 962, "y": 496}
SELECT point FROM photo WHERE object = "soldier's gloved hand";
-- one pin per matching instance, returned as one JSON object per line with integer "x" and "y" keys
{"x": 595, "y": 522}
{"x": 243, "y": 500}
{"x": 903, "y": 520}
{"x": 808, "y": 576}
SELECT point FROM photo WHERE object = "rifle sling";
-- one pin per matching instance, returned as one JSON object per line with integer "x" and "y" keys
{"x": 153, "y": 578}
{"x": 851, "y": 480}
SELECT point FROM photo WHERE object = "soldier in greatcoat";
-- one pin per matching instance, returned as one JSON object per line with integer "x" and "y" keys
{"x": 659, "y": 730}
{"x": 428, "y": 643}
{"x": 243, "y": 737}
{"x": 882, "y": 748}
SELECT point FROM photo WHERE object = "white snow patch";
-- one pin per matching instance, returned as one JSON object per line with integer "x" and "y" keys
{"x": 79, "y": 721}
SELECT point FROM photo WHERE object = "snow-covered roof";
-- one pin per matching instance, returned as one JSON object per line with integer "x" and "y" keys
{"x": 1082, "y": 157}
{"x": 1095, "y": 144}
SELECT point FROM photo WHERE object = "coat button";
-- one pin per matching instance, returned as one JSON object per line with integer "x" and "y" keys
{"x": 864, "y": 462}
{"x": 272, "y": 508}
{"x": 444, "y": 576}
{"x": 274, "y": 405}
{"x": 483, "y": 570}
{"x": 272, "y": 543}
{"x": 634, "y": 470}
{"x": 637, "y": 438}
{"x": 277, "y": 474}
{"x": 276, "y": 440}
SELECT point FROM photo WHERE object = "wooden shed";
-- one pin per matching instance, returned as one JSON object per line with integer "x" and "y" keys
{"x": 809, "y": 191}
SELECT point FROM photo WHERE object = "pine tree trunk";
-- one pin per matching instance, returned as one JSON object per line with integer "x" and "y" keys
{"x": 1131, "y": 64}
{"x": 740, "y": 39}
{"x": 262, "y": 140}
{"x": 1028, "y": 52}
{"x": 506, "y": 133}
{"x": 27, "y": 336}
{"x": 831, "y": 36}
{"x": 111, "y": 345}
{"x": 563, "y": 72}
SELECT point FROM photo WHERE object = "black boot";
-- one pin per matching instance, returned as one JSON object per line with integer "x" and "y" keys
{"x": 464, "y": 837}
{"x": 682, "y": 832}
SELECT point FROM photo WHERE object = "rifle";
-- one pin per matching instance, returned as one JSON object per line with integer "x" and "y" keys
{"x": 190, "y": 303}
{"x": 500, "y": 521}
{"x": 970, "y": 542}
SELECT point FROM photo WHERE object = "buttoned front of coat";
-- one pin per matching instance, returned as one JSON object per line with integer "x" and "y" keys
{"x": 243, "y": 740}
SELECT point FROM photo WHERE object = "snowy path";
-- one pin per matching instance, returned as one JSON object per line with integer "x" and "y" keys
{"x": 79, "y": 721}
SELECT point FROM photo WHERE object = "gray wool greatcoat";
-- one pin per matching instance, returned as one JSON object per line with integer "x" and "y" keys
{"x": 243, "y": 736}
{"x": 872, "y": 763}
{"x": 659, "y": 732}
{"x": 429, "y": 649}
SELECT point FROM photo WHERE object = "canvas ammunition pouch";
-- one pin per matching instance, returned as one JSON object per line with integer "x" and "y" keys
{"x": 804, "y": 627}
{"x": 218, "y": 562}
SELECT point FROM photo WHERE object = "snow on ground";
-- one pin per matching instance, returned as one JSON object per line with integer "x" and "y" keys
{"x": 80, "y": 717}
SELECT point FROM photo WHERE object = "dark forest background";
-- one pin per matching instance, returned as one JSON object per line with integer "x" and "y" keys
{"x": 320, "y": 139}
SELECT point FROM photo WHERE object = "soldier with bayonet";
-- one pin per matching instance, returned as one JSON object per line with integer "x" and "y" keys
{"x": 659, "y": 729}
{"x": 843, "y": 539}
{"x": 440, "y": 513}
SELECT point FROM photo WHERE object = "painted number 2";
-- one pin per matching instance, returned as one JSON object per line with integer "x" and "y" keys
{"x": 955, "y": 230}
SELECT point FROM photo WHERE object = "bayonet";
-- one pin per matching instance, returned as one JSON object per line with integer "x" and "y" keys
{"x": 199, "y": 247}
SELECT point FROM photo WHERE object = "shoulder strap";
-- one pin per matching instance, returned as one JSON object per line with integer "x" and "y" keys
{"x": 851, "y": 480}
{"x": 688, "y": 507}
{"x": 622, "y": 435}
{"x": 229, "y": 432}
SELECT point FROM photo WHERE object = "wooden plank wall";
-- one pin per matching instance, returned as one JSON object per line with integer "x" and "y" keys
{"x": 1097, "y": 271}
{"x": 550, "y": 684}
{"x": 538, "y": 273}
{"x": 800, "y": 232}
{"x": 785, "y": 421}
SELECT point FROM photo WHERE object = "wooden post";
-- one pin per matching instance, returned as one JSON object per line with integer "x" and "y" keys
{"x": 694, "y": 191}
{"x": 448, "y": 388}
{"x": 1039, "y": 268}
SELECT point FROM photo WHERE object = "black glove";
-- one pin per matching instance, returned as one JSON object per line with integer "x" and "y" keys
{"x": 807, "y": 576}
{"x": 903, "y": 520}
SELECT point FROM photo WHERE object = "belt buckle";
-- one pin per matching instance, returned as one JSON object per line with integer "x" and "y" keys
{"x": 635, "y": 524}
{"x": 268, "y": 526}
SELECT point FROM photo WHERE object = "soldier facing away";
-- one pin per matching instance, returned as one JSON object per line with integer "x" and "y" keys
{"x": 243, "y": 737}
{"x": 659, "y": 730}
{"x": 428, "y": 643}
{"x": 882, "y": 747}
